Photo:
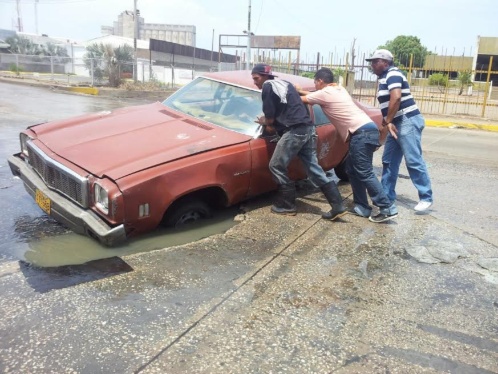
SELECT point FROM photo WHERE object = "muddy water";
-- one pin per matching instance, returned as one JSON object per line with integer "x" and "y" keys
{"x": 74, "y": 249}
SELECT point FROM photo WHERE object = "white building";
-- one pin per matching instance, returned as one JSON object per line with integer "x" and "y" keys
{"x": 124, "y": 26}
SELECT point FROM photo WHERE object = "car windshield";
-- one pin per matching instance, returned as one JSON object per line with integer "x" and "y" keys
{"x": 221, "y": 104}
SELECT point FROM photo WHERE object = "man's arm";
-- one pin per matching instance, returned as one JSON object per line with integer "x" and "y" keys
{"x": 302, "y": 93}
{"x": 263, "y": 121}
{"x": 394, "y": 103}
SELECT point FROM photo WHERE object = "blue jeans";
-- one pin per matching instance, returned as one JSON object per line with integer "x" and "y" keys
{"x": 408, "y": 145}
{"x": 301, "y": 143}
{"x": 362, "y": 146}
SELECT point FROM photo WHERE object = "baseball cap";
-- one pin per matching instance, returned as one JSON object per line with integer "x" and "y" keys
{"x": 262, "y": 69}
{"x": 383, "y": 54}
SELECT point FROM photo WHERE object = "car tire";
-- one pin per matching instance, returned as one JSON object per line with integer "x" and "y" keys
{"x": 340, "y": 170}
{"x": 183, "y": 213}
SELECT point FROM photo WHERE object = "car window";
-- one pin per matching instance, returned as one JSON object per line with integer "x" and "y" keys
{"x": 234, "y": 108}
{"x": 320, "y": 117}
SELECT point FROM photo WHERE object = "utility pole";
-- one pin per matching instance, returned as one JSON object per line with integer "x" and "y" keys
{"x": 36, "y": 17}
{"x": 248, "y": 62}
{"x": 135, "y": 27}
{"x": 19, "y": 20}
{"x": 212, "y": 47}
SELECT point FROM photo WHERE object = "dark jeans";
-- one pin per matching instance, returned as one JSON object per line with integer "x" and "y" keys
{"x": 301, "y": 143}
{"x": 360, "y": 171}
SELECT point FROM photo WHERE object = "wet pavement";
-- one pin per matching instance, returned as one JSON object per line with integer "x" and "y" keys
{"x": 278, "y": 294}
{"x": 272, "y": 294}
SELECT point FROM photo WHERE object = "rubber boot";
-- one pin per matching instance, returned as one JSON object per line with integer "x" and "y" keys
{"x": 286, "y": 200}
{"x": 334, "y": 198}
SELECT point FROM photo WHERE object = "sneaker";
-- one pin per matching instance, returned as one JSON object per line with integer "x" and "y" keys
{"x": 423, "y": 206}
{"x": 381, "y": 217}
{"x": 357, "y": 211}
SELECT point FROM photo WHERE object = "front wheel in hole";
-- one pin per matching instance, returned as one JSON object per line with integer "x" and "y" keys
{"x": 187, "y": 212}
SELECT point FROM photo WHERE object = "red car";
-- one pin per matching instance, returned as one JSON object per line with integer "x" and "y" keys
{"x": 114, "y": 175}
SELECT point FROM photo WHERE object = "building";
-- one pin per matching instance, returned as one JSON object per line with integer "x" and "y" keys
{"x": 484, "y": 59}
{"x": 124, "y": 26}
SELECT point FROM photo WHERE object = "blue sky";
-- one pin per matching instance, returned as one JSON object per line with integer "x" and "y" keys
{"x": 325, "y": 26}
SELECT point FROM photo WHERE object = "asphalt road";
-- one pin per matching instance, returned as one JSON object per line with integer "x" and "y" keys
{"x": 272, "y": 294}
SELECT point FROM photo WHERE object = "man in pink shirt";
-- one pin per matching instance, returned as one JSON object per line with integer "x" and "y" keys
{"x": 355, "y": 126}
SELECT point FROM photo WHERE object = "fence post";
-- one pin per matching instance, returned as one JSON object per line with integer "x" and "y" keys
{"x": 91, "y": 70}
{"x": 52, "y": 67}
{"x": 447, "y": 88}
{"x": 410, "y": 70}
{"x": 485, "y": 102}
{"x": 361, "y": 78}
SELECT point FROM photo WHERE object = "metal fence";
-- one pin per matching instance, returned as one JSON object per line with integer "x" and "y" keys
{"x": 453, "y": 97}
{"x": 480, "y": 98}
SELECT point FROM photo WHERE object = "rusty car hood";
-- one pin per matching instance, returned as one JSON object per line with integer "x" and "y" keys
{"x": 127, "y": 140}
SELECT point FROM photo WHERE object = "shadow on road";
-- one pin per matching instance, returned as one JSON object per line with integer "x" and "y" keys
{"x": 52, "y": 278}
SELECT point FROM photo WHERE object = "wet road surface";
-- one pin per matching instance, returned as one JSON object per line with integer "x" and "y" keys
{"x": 283, "y": 294}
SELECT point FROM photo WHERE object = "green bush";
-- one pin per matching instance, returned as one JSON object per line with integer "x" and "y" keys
{"x": 15, "y": 68}
{"x": 440, "y": 80}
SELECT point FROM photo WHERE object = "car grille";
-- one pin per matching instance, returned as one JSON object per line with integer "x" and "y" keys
{"x": 58, "y": 177}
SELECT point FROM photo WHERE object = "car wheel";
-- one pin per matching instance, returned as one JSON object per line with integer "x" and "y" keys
{"x": 183, "y": 213}
{"x": 340, "y": 170}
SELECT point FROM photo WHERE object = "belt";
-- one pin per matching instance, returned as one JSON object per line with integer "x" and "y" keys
{"x": 360, "y": 130}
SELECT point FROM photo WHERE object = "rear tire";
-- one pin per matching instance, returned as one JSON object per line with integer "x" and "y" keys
{"x": 183, "y": 213}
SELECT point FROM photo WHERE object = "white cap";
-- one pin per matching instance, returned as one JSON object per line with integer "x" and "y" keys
{"x": 383, "y": 54}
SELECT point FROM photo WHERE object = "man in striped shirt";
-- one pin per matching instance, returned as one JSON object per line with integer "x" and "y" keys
{"x": 405, "y": 124}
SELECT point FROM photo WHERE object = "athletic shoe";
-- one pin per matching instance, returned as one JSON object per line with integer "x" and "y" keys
{"x": 381, "y": 217}
{"x": 358, "y": 211}
{"x": 423, "y": 206}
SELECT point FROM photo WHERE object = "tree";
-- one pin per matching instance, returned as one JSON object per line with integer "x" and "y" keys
{"x": 109, "y": 62}
{"x": 23, "y": 46}
{"x": 440, "y": 80}
{"x": 465, "y": 79}
{"x": 50, "y": 49}
{"x": 402, "y": 46}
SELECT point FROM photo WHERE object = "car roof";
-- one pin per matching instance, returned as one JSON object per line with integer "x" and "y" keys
{"x": 243, "y": 78}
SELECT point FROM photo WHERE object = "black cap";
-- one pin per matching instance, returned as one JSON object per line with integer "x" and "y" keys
{"x": 262, "y": 69}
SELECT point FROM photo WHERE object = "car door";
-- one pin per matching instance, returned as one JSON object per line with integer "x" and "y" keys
{"x": 331, "y": 148}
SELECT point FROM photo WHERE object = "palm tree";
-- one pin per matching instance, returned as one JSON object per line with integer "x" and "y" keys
{"x": 23, "y": 46}
{"x": 108, "y": 61}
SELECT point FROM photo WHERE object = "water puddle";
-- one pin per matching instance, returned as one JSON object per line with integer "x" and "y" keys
{"x": 74, "y": 249}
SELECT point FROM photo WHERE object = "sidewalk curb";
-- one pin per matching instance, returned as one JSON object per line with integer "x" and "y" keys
{"x": 458, "y": 125}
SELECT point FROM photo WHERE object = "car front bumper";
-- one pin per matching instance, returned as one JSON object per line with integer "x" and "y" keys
{"x": 81, "y": 221}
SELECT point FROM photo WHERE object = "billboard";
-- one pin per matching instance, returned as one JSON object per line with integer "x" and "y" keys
{"x": 275, "y": 42}
{"x": 261, "y": 41}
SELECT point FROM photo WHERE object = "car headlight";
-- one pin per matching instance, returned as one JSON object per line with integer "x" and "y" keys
{"x": 101, "y": 198}
{"x": 24, "y": 143}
